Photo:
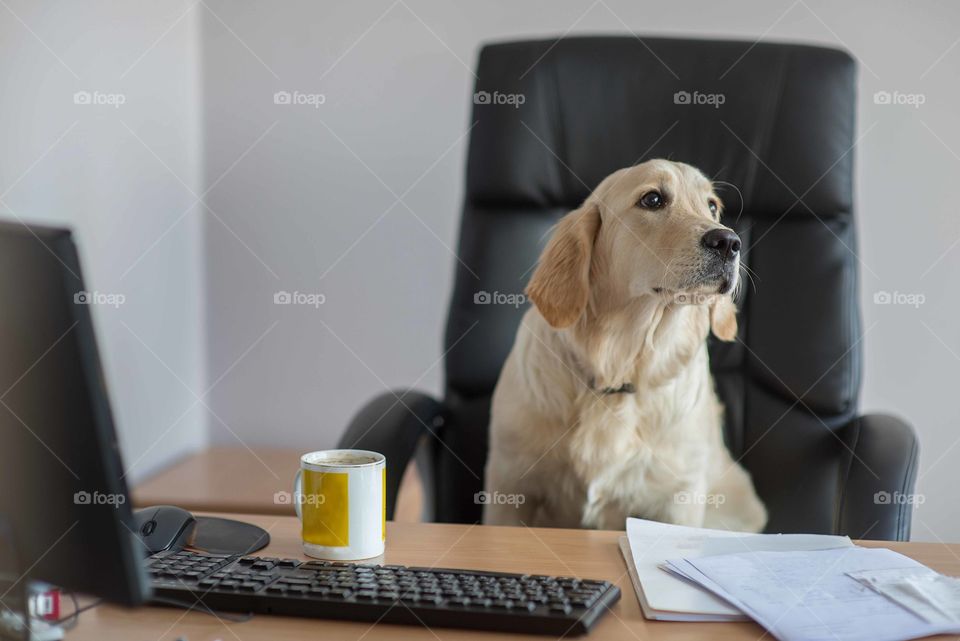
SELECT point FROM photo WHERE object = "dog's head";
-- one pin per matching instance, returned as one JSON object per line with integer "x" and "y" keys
{"x": 649, "y": 230}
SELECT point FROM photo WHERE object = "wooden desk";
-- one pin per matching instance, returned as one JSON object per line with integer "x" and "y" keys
{"x": 244, "y": 481}
{"x": 584, "y": 553}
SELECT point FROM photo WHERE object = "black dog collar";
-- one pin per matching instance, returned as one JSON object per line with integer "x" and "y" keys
{"x": 626, "y": 388}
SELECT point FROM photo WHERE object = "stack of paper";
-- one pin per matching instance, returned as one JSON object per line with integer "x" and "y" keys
{"x": 799, "y": 587}
{"x": 668, "y": 597}
{"x": 811, "y": 596}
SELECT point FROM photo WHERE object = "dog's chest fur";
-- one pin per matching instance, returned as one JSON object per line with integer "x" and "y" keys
{"x": 631, "y": 452}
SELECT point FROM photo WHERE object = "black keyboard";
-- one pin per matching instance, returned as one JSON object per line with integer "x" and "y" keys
{"x": 388, "y": 593}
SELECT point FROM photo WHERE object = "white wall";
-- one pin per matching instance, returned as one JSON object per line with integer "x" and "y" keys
{"x": 300, "y": 198}
{"x": 397, "y": 80}
{"x": 79, "y": 165}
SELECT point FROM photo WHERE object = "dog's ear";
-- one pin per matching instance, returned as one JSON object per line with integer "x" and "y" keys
{"x": 723, "y": 318}
{"x": 560, "y": 287}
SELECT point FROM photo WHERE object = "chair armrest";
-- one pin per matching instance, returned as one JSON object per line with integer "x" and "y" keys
{"x": 392, "y": 424}
{"x": 877, "y": 499}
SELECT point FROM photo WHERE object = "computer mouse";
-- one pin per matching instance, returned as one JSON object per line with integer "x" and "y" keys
{"x": 164, "y": 527}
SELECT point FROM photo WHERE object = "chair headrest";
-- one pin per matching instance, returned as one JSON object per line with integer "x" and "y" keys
{"x": 554, "y": 117}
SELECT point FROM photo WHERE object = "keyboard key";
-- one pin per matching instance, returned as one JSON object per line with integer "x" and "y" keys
{"x": 288, "y": 563}
{"x": 298, "y": 574}
{"x": 561, "y": 608}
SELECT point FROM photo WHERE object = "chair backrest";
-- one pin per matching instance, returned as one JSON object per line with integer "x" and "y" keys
{"x": 553, "y": 118}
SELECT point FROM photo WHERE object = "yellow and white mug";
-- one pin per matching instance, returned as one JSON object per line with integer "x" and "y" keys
{"x": 341, "y": 500}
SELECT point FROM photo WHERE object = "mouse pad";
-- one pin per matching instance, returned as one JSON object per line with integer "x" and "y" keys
{"x": 225, "y": 536}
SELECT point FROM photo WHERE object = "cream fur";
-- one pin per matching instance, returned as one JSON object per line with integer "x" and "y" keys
{"x": 606, "y": 312}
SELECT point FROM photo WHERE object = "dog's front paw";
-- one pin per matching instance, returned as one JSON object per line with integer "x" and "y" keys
{"x": 602, "y": 515}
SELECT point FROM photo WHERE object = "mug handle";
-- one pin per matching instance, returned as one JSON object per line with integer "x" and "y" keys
{"x": 297, "y": 493}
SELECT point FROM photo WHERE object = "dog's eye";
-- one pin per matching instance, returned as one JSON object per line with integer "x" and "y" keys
{"x": 713, "y": 206}
{"x": 651, "y": 200}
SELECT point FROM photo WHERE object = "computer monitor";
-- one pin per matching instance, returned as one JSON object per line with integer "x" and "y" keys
{"x": 62, "y": 487}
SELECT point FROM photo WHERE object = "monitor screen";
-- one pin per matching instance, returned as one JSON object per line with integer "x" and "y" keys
{"x": 63, "y": 492}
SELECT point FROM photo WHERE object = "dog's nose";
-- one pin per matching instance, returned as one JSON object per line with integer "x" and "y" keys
{"x": 723, "y": 241}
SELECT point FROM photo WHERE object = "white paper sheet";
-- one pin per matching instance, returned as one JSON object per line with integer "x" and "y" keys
{"x": 931, "y": 595}
{"x": 807, "y": 596}
{"x": 665, "y": 596}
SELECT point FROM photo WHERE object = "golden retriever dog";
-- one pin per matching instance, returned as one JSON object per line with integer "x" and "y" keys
{"x": 605, "y": 407}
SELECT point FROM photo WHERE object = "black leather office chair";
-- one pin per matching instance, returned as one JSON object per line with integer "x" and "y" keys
{"x": 776, "y": 121}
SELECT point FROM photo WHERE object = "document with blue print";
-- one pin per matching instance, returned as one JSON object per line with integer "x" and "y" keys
{"x": 810, "y": 595}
